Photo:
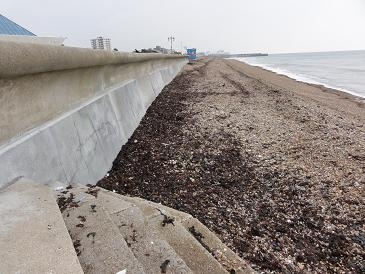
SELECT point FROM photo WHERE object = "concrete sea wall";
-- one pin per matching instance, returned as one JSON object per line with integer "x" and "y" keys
{"x": 66, "y": 112}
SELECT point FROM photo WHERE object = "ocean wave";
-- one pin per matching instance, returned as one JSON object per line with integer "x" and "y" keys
{"x": 310, "y": 79}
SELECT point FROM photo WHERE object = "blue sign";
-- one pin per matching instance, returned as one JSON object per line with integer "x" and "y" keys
{"x": 191, "y": 54}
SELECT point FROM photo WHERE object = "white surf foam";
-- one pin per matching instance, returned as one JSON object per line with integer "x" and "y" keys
{"x": 299, "y": 77}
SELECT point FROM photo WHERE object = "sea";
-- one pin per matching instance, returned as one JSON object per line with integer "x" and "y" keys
{"x": 341, "y": 70}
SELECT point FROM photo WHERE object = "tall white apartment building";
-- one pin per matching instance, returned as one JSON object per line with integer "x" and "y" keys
{"x": 100, "y": 43}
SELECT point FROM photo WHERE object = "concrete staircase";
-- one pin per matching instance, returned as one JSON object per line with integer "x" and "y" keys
{"x": 110, "y": 233}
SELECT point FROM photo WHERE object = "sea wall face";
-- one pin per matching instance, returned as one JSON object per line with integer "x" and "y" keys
{"x": 70, "y": 123}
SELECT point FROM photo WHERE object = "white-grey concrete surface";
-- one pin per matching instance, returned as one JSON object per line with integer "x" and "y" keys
{"x": 27, "y": 58}
{"x": 198, "y": 259}
{"x": 145, "y": 243}
{"x": 225, "y": 256}
{"x": 55, "y": 41}
{"x": 149, "y": 244}
{"x": 32, "y": 100}
{"x": 33, "y": 236}
{"x": 100, "y": 246}
{"x": 69, "y": 125}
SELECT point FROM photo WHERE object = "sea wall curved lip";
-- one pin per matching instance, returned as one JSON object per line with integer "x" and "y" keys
{"x": 19, "y": 59}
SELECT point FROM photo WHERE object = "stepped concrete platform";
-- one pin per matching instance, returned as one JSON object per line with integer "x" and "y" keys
{"x": 33, "y": 235}
{"x": 93, "y": 231}
{"x": 114, "y": 233}
{"x": 146, "y": 244}
{"x": 99, "y": 245}
{"x": 208, "y": 240}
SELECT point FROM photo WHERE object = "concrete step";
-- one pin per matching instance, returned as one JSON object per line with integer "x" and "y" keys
{"x": 225, "y": 256}
{"x": 100, "y": 246}
{"x": 156, "y": 238}
{"x": 33, "y": 236}
{"x": 152, "y": 251}
{"x": 149, "y": 209}
{"x": 189, "y": 249}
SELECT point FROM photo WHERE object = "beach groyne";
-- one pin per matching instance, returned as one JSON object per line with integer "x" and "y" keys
{"x": 66, "y": 112}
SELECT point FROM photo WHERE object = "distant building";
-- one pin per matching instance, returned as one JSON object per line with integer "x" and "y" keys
{"x": 157, "y": 49}
{"x": 11, "y": 31}
{"x": 161, "y": 50}
{"x": 8, "y": 27}
{"x": 101, "y": 43}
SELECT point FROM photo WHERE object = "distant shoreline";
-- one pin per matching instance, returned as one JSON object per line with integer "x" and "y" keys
{"x": 311, "y": 82}
{"x": 343, "y": 93}
{"x": 237, "y": 55}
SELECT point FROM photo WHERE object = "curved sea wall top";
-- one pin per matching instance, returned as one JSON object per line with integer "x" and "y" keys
{"x": 26, "y": 58}
{"x": 66, "y": 112}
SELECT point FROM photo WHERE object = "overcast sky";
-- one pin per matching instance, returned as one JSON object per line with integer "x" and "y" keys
{"x": 233, "y": 25}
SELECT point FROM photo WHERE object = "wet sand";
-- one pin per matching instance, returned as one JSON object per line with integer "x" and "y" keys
{"x": 275, "y": 167}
